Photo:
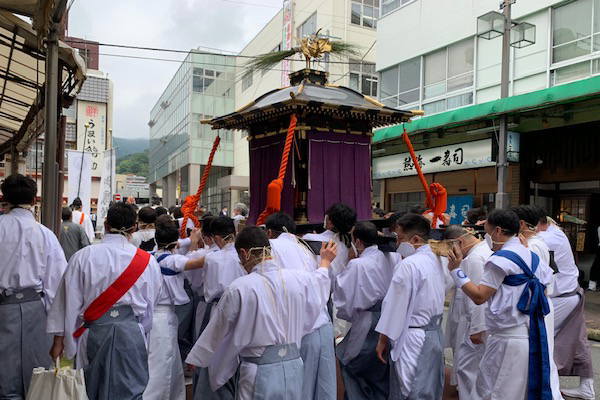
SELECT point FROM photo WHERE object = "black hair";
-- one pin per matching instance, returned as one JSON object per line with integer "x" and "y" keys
{"x": 343, "y": 219}
{"x": 392, "y": 222}
{"x": 250, "y": 237}
{"x": 507, "y": 220}
{"x": 222, "y": 226}
{"x": 276, "y": 222}
{"x": 77, "y": 202}
{"x": 66, "y": 213}
{"x": 160, "y": 211}
{"x": 147, "y": 215}
{"x": 206, "y": 225}
{"x": 121, "y": 216}
{"x": 527, "y": 214}
{"x": 367, "y": 232}
{"x": 171, "y": 209}
{"x": 167, "y": 231}
{"x": 454, "y": 232}
{"x": 475, "y": 215}
{"x": 176, "y": 213}
{"x": 415, "y": 224}
{"x": 541, "y": 214}
{"x": 19, "y": 189}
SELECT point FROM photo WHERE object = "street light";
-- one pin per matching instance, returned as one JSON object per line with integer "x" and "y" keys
{"x": 517, "y": 35}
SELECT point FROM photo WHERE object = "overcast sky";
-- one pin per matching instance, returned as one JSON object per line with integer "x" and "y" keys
{"x": 175, "y": 24}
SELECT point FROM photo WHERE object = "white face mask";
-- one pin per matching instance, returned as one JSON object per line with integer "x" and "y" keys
{"x": 406, "y": 249}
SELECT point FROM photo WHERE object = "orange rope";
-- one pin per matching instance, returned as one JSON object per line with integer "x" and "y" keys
{"x": 436, "y": 195}
{"x": 276, "y": 186}
{"x": 191, "y": 202}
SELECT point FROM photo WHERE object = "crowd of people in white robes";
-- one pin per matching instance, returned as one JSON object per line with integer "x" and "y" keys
{"x": 270, "y": 313}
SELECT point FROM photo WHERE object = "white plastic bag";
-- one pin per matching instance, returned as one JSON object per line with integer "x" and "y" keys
{"x": 57, "y": 384}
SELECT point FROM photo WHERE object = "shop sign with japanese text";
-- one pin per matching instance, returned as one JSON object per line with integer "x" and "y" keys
{"x": 476, "y": 154}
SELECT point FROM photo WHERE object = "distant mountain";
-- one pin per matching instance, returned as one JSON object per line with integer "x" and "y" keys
{"x": 126, "y": 147}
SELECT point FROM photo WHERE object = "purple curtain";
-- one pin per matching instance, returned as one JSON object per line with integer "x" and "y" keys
{"x": 265, "y": 157}
{"x": 340, "y": 171}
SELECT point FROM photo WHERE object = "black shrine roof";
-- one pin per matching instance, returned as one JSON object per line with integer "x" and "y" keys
{"x": 311, "y": 95}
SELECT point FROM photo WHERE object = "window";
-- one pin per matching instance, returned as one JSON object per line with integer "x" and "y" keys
{"x": 388, "y": 6}
{"x": 365, "y": 13}
{"x": 404, "y": 202}
{"x": 247, "y": 80}
{"x": 449, "y": 69}
{"x": 401, "y": 84}
{"x": 202, "y": 79}
{"x": 308, "y": 27}
{"x": 363, "y": 77}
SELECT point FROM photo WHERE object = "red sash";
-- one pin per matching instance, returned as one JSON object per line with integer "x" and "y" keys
{"x": 116, "y": 290}
{"x": 81, "y": 219}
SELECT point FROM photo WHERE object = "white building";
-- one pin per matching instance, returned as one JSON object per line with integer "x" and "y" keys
{"x": 430, "y": 57}
{"x": 352, "y": 21}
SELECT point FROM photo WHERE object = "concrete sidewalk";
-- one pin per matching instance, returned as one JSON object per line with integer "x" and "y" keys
{"x": 592, "y": 314}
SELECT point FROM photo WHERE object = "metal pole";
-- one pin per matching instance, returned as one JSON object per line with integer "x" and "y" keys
{"x": 502, "y": 197}
{"x": 50, "y": 176}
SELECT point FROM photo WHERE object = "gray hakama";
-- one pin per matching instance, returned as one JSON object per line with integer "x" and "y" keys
{"x": 185, "y": 315}
{"x": 428, "y": 383}
{"x": 279, "y": 374}
{"x": 365, "y": 377}
{"x": 571, "y": 349}
{"x": 202, "y": 390}
{"x": 117, "y": 356}
{"x": 24, "y": 343}
{"x": 318, "y": 356}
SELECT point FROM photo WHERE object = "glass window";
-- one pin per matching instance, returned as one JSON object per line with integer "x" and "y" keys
{"x": 571, "y": 35}
{"x": 363, "y": 77}
{"x": 435, "y": 73}
{"x": 388, "y": 6}
{"x": 247, "y": 80}
{"x": 571, "y": 73}
{"x": 308, "y": 27}
{"x": 389, "y": 82}
{"x": 365, "y": 13}
{"x": 410, "y": 81}
{"x": 449, "y": 69}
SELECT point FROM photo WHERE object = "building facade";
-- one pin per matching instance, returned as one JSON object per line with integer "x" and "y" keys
{"x": 180, "y": 144}
{"x": 441, "y": 66}
{"x": 353, "y": 21}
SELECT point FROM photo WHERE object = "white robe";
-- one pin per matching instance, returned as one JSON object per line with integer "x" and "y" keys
{"x": 221, "y": 268}
{"x": 466, "y": 319}
{"x": 266, "y": 307}
{"x": 362, "y": 284}
{"x": 87, "y": 225}
{"x": 504, "y": 366}
{"x": 89, "y": 273}
{"x": 566, "y": 280}
{"x": 142, "y": 236}
{"x": 416, "y": 294}
{"x": 166, "y": 379}
{"x": 290, "y": 254}
{"x": 31, "y": 257}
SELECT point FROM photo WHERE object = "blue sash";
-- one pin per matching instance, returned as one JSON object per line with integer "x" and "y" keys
{"x": 534, "y": 303}
{"x": 163, "y": 270}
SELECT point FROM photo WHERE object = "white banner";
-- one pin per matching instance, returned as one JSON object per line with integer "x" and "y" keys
{"x": 287, "y": 40}
{"x": 91, "y": 132}
{"x": 80, "y": 178}
{"x": 476, "y": 154}
{"x": 108, "y": 186}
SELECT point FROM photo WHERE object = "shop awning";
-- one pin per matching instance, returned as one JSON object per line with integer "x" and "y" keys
{"x": 22, "y": 79}
{"x": 540, "y": 99}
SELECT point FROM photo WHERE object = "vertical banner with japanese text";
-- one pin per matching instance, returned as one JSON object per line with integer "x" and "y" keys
{"x": 287, "y": 40}
{"x": 107, "y": 187}
{"x": 80, "y": 177}
{"x": 91, "y": 132}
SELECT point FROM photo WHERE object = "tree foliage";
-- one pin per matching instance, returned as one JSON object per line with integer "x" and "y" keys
{"x": 136, "y": 163}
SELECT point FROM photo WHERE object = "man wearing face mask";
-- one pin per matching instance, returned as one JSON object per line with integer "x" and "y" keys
{"x": 572, "y": 351}
{"x": 513, "y": 283}
{"x": 358, "y": 295}
{"x": 411, "y": 316}
{"x": 260, "y": 320}
{"x": 466, "y": 330}
{"x": 221, "y": 268}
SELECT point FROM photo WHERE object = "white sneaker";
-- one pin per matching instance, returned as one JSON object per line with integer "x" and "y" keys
{"x": 585, "y": 390}
{"x": 592, "y": 285}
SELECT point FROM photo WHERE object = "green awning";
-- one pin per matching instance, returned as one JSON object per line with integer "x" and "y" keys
{"x": 566, "y": 93}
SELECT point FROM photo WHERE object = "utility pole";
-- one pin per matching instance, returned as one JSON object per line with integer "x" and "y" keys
{"x": 502, "y": 197}
{"x": 50, "y": 173}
